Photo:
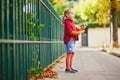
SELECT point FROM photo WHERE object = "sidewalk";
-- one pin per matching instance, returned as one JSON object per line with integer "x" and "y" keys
{"x": 113, "y": 51}
{"x": 92, "y": 65}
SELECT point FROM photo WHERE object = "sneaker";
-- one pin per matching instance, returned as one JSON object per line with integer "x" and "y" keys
{"x": 69, "y": 71}
{"x": 74, "y": 70}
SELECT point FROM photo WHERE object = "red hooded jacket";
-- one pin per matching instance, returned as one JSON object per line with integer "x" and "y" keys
{"x": 69, "y": 26}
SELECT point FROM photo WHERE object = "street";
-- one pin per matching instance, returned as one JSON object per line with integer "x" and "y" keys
{"x": 91, "y": 65}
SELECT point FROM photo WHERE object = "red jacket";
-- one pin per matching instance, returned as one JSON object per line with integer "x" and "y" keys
{"x": 69, "y": 26}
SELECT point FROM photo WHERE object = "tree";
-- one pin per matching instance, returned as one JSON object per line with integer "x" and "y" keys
{"x": 99, "y": 11}
{"x": 91, "y": 10}
{"x": 114, "y": 7}
{"x": 59, "y": 6}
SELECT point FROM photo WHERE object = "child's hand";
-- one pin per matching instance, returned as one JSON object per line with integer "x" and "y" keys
{"x": 85, "y": 25}
{"x": 82, "y": 31}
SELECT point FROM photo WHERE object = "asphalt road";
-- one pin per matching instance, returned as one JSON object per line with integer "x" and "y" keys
{"x": 92, "y": 65}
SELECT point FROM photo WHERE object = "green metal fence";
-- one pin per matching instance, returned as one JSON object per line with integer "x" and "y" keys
{"x": 29, "y": 29}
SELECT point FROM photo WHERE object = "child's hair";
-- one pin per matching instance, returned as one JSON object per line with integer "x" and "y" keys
{"x": 66, "y": 11}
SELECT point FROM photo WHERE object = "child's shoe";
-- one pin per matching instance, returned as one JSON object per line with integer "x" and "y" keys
{"x": 75, "y": 70}
{"x": 70, "y": 71}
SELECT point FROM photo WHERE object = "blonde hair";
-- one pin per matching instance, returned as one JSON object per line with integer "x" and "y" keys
{"x": 66, "y": 11}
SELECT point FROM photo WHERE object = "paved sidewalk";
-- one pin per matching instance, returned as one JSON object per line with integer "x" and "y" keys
{"x": 92, "y": 65}
{"x": 113, "y": 51}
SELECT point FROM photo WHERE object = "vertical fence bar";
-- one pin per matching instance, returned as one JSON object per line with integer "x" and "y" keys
{"x": 4, "y": 60}
{"x": 16, "y": 58}
{"x": 15, "y": 29}
{"x": 1, "y": 35}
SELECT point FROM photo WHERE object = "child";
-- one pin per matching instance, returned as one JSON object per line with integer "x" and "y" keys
{"x": 71, "y": 33}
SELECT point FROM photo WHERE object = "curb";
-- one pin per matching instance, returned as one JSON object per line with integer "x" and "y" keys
{"x": 111, "y": 51}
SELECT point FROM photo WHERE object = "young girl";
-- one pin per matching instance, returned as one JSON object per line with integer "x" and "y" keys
{"x": 71, "y": 33}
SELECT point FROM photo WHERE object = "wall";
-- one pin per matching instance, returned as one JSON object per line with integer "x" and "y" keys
{"x": 97, "y": 37}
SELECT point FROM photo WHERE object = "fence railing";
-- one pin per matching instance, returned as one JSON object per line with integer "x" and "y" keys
{"x": 29, "y": 29}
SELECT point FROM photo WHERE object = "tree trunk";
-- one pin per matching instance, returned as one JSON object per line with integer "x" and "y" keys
{"x": 114, "y": 43}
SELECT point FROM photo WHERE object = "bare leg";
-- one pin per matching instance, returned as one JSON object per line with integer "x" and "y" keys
{"x": 71, "y": 60}
{"x": 68, "y": 60}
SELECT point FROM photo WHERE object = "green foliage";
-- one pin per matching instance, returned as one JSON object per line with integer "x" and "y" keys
{"x": 35, "y": 57}
{"x": 103, "y": 12}
{"x": 96, "y": 25}
{"x": 94, "y": 10}
{"x": 87, "y": 10}
{"x": 36, "y": 69}
{"x": 33, "y": 71}
{"x": 33, "y": 29}
{"x": 78, "y": 19}
{"x": 39, "y": 29}
{"x": 72, "y": 0}
{"x": 30, "y": 1}
{"x": 118, "y": 5}
{"x": 59, "y": 8}
{"x": 32, "y": 36}
{"x": 118, "y": 18}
